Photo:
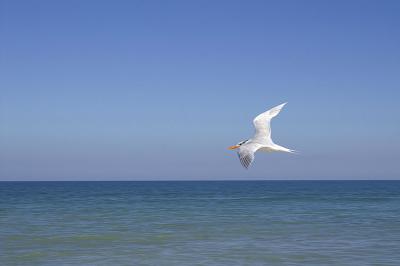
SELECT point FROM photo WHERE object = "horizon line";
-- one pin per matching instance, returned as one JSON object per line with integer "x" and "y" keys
{"x": 196, "y": 180}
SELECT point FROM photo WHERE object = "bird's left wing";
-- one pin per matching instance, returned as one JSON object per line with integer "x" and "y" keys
{"x": 246, "y": 154}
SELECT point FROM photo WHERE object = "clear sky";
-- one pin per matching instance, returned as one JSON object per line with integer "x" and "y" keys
{"x": 94, "y": 90}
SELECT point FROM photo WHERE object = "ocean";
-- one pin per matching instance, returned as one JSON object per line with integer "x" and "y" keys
{"x": 200, "y": 223}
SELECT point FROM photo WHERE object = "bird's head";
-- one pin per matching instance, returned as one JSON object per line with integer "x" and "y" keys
{"x": 238, "y": 145}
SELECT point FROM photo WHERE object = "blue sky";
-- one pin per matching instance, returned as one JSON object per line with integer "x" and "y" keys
{"x": 126, "y": 90}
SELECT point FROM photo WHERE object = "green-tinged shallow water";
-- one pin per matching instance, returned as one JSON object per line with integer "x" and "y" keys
{"x": 200, "y": 223}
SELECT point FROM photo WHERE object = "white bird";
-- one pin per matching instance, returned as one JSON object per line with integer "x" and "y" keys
{"x": 261, "y": 140}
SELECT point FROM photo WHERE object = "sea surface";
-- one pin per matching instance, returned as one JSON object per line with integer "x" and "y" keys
{"x": 200, "y": 223}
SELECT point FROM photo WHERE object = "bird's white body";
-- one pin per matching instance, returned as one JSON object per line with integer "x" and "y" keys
{"x": 261, "y": 141}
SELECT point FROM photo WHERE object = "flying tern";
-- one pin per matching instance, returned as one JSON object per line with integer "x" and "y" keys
{"x": 261, "y": 140}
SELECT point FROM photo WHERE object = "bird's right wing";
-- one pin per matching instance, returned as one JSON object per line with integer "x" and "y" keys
{"x": 262, "y": 123}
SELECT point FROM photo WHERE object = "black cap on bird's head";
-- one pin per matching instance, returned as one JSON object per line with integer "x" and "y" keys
{"x": 238, "y": 145}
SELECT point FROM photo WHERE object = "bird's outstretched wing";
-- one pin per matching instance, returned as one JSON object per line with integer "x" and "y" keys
{"x": 262, "y": 124}
{"x": 246, "y": 154}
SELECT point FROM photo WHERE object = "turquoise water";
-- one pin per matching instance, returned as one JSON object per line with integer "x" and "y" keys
{"x": 200, "y": 223}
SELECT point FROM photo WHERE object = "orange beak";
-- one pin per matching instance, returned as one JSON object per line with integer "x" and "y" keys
{"x": 234, "y": 147}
